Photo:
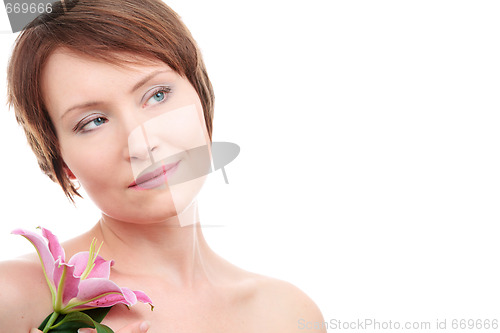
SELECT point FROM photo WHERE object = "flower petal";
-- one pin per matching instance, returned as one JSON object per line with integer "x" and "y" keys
{"x": 70, "y": 283}
{"x": 80, "y": 261}
{"x": 129, "y": 296}
{"x": 102, "y": 268}
{"x": 54, "y": 246}
{"x": 43, "y": 251}
{"x": 142, "y": 297}
{"x": 101, "y": 293}
{"x": 108, "y": 300}
{"x": 93, "y": 288}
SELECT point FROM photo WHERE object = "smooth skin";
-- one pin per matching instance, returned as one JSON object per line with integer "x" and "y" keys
{"x": 193, "y": 289}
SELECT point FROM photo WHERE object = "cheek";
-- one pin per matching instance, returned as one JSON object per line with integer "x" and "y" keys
{"x": 184, "y": 123}
{"x": 186, "y": 126}
{"x": 187, "y": 134}
{"x": 92, "y": 164}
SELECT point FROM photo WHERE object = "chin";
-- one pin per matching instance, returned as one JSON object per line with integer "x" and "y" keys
{"x": 152, "y": 206}
{"x": 158, "y": 209}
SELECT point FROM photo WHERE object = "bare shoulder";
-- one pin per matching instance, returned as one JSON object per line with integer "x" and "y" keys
{"x": 25, "y": 292}
{"x": 282, "y": 305}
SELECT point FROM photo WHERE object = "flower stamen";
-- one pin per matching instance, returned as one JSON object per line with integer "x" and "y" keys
{"x": 92, "y": 257}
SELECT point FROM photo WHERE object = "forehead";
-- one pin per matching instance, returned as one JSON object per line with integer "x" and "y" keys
{"x": 66, "y": 64}
{"x": 68, "y": 75}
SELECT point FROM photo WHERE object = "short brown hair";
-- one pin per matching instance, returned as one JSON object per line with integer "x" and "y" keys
{"x": 101, "y": 29}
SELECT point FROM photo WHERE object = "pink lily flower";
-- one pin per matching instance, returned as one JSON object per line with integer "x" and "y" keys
{"x": 83, "y": 282}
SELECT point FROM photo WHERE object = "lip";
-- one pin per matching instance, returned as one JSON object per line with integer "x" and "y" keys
{"x": 151, "y": 179}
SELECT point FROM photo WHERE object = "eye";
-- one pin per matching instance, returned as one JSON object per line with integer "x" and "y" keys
{"x": 86, "y": 126}
{"x": 159, "y": 96}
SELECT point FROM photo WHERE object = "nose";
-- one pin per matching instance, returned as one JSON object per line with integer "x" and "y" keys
{"x": 140, "y": 145}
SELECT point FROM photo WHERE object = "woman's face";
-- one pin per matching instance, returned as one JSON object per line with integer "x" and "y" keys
{"x": 128, "y": 134}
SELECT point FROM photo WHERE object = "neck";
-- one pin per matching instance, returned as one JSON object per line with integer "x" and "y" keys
{"x": 169, "y": 249}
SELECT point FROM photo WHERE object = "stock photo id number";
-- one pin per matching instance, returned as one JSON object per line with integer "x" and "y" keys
{"x": 22, "y": 13}
{"x": 360, "y": 324}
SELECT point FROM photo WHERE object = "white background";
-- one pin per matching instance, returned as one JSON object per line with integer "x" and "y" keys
{"x": 369, "y": 166}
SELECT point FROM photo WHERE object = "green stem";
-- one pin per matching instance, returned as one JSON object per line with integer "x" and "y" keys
{"x": 52, "y": 319}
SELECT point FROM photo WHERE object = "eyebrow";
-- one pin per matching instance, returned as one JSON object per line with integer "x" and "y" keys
{"x": 80, "y": 106}
{"x": 134, "y": 88}
{"x": 147, "y": 78}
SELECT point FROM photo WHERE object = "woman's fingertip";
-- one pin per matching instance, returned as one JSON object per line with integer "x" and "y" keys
{"x": 34, "y": 330}
{"x": 84, "y": 330}
{"x": 145, "y": 326}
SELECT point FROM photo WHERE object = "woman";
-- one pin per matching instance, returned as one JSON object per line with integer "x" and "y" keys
{"x": 114, "y": 97}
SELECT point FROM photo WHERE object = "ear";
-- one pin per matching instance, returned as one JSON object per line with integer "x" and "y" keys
{"x": 69, "y": 173}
